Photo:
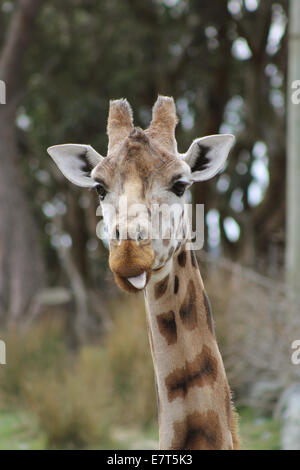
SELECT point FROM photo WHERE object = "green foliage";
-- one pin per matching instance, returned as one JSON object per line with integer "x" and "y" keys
{"x": 258, "y": 432}
{"x": 127, "y": 353}
{"x": 33, "y": 352}
{"x": 20, "y": 431}
{"x": 86, "y": 53}
{"x": 78, "y": 400}
{"x": 102, "y": 397}
{"x": 70, "y": 408}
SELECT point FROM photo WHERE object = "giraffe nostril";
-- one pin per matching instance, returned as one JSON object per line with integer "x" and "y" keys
{"x": 117, "y": 233}
{"x": 142, "y": 235}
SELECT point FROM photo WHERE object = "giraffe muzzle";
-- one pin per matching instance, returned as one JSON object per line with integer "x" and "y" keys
{"x": 131, "y": 264}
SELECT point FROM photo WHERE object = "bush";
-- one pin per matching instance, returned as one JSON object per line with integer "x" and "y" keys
{"x": 79, "y": 399}
{"x": 127, "y": 353}
{"x": 71, "y": 406}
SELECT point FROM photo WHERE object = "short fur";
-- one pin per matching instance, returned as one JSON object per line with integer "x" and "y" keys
{"x": 195, "y": 409}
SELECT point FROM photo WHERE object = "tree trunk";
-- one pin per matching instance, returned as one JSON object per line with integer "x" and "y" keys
{"x": 22, "y": 272}
{"x": 293, "y": 146}
{"x": 290, "y": 409}
{"x": 21, "y": 262}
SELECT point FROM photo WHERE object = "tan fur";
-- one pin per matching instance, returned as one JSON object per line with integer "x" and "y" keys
{"x": 120, "y": 122}
{"x": 189, "y": 370}
{"x": 195, "y": 409}
{"x": 143, "y": 179}
{"x": 163, "y": 124}
{"x": 128, "y": 260}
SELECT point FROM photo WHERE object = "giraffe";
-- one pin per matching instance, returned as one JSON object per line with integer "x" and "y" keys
{"x": 145, "y": 169}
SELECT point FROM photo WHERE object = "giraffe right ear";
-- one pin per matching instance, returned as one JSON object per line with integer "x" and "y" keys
{"x": 207, "y": 155}
{"x": 76, "y": 162}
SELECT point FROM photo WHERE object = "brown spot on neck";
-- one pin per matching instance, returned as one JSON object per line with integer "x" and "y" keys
{"x": 167, "y": 326}
{"x": 188, "y": 310}
{"x": 161, "y": 287}
{"x": 176, "y": 284}
{"x": 197, "y": 373}
{"x": 198, "y": 431}
{"x": 182, "y": 259}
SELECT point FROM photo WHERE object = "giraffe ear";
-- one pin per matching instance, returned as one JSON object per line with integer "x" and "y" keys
{"x": 207, "y": 155}
{"x": 76, "y": 162}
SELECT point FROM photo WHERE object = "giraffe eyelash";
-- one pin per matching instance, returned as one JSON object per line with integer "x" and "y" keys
{"x": 179, "y": 187}
{"x": 100, "y": 190}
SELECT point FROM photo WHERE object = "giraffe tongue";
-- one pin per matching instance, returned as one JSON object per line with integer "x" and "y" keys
{"x": 138, "y": 282}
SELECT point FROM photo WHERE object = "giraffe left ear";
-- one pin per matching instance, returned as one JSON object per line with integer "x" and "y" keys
{"x": 207, "y": 155}
{"x": 76, "y": 162}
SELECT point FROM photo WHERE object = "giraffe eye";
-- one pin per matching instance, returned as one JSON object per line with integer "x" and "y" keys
{"x": 99, "y": 188}
{"x": 179, "y": 188}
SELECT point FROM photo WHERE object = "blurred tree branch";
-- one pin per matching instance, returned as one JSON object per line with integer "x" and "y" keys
{"x": 16, "y": 42}
{"x": 22, "y": 267}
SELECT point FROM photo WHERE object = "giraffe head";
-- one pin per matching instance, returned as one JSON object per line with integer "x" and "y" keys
{"x": 142, "y": 185}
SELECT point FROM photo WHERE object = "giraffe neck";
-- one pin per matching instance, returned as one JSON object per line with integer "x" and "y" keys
{"x": 193, "y": 392}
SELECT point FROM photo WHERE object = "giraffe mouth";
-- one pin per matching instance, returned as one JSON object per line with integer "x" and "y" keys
{"x": 133, "y": 284}
{"x": 139, "y": 282}
{"x": 131, "y": 265}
